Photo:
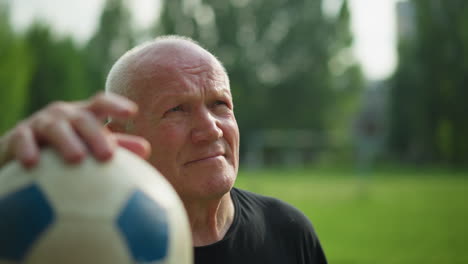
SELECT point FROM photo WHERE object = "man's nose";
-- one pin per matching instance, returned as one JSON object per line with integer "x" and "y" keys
{"x": 205, "y": 127}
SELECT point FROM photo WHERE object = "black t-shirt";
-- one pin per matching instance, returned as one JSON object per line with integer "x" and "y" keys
{"x": 264, "y": 230}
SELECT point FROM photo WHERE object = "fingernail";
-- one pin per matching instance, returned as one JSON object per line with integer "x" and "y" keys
{"x": 29, "y": 163}
{"x": 105, "y": 155}
{"x": 75, "y": 158}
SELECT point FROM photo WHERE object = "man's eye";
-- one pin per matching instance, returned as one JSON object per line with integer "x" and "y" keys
{"x": 219, "y": 102}
{"x": 175, "y": 109}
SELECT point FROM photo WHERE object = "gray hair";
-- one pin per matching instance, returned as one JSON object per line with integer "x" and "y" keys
{"x": 120, "y": 76}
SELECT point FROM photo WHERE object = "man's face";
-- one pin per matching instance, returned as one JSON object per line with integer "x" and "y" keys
{"x": 186, "y": 113}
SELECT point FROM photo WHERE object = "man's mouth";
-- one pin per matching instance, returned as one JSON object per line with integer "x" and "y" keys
{"x": 206, "y": 158}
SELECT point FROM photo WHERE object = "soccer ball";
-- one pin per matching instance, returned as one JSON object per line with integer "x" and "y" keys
{"x": 121, "y": 211}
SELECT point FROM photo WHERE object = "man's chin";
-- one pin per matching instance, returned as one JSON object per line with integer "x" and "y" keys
{"x": 215, "y": 186}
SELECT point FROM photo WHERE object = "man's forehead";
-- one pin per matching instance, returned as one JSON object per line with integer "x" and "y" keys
{"x": 169, "y": 60}
{"x": 161, "y": 74}
{"x": 163, "y": 67}
{"x": 189, "y": 79}
{"x": 175, "y": 94}
{"x": 175, "y": 52}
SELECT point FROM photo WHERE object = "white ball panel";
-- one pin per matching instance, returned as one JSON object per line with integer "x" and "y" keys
{"x": 108, "y": 186}
{"x": 11, "y": 180}
{"x": 93, "y": 242}
{"x": 159, "y": 189}
{"x": 143, "y": 176}
{"x": 180, "y": 242}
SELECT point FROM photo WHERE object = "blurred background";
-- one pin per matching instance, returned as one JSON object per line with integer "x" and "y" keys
{"x": 354, "y": 111}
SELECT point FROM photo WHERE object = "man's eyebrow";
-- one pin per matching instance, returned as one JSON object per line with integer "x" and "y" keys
{"x": 222, "y": 91}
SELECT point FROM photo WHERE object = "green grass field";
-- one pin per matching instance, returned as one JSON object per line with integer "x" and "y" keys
{"x": 387, "y": 216}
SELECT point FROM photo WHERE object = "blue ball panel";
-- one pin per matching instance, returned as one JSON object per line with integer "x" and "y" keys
{"x": 24, "y": 215}
{"x": 144, "y": 225}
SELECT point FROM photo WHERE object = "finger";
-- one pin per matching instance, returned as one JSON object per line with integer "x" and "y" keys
{"x": 24, "y": 146}
{"x": 62, "y": 137}
{"x": 135, "y": 144}
{"x": 95, "y": 135}
{"x": 116, "y": 106}
{"x": 5, "y": 152}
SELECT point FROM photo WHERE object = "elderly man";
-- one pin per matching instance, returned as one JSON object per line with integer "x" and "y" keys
{"x": 187, "y": 117}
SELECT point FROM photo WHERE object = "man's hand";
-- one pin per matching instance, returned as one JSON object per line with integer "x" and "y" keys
{"x": 72, "y": 129}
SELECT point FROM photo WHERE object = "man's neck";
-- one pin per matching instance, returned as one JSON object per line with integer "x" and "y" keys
{"x": 210, "y": 220}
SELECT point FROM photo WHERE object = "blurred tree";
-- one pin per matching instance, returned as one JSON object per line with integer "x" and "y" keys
{"x": 15, "y": 69}
{"x": 113, "y": 37}
{"x": 43, "y": 68}
{"x": 59, "y": 69}
{"x": 290, "y": 66}
{"x": 347, "y": 80}
{"x": 430, "y": 86}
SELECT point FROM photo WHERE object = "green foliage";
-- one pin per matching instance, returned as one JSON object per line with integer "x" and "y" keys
{"x": 113, "y": 37}
{"x": 39, "y": 67}
{"x": 15, "y": 71}
{"x": 430, "y": 86}
{"x": 59, "y": 70}
{"x": 347, "y": 81}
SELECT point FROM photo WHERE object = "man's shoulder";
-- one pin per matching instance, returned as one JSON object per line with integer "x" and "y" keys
{"x": 251, "y": 198}
{"x": 277, "y": 229}
{"x": 272, "y": 208}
